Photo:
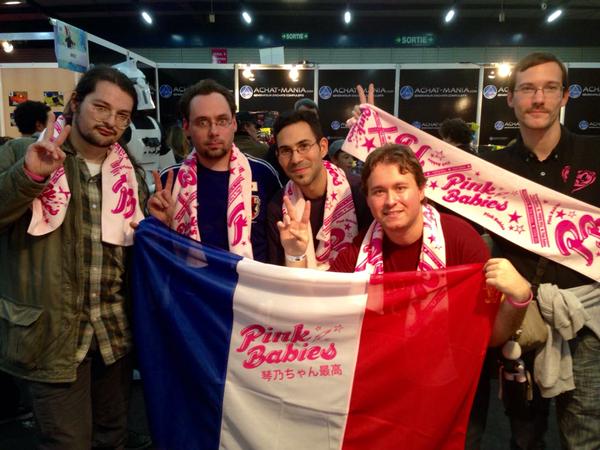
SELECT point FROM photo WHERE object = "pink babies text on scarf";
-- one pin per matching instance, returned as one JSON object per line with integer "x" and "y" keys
{"x": 120, "y": 199}
{"x": 239, "y": 202}
{"x": 433, "y": 248}
{"x": 339, "y": 218}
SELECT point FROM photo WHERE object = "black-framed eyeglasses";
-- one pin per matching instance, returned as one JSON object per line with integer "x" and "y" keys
{"x": 302, "y": 148}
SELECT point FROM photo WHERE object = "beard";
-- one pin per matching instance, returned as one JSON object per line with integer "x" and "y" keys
{"x": 214, "y": 153}
{"x": 93, "y": 137}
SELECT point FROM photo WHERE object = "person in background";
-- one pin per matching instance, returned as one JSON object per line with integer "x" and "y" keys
{"x": 178, "y": 142}
{"x": 458, "y": 133}
{"x": 339, "y": 157}
{"x": 31, "y": 117}
{"x": 306, "y": 104}
{"x": 246, "y": 136}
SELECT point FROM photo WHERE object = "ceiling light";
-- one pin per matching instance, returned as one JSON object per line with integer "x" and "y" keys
{"x": 504, "y": 70}
{"x": 554, "y": 15}
{"x": 147, "y": 17}
{"x": 246, "y": 16}
{"x": 294, "y": 74}
{"x": 347, "y": 16}
{"x": 247, "y": 73}
{"x": 12, "y": 3}
{"x": 450, "y": 15}
{"x": 7, "y": 46}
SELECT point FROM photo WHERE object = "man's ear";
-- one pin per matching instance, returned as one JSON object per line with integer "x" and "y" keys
{"x": 324, "y": 146}
{"x": 186, "y": 127}
{"x": 509, "y": 98}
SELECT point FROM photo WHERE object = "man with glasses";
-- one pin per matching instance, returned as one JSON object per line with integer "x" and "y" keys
{"x": 336, "y": 205}
{"x": 547, "y": 153}
{"x": 217, "y": 195}
{"x": 68, "y": 201}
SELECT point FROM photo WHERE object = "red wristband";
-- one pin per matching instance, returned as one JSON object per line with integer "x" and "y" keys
{"x": 512, "y": 302}
{"x": 34, "y": 176}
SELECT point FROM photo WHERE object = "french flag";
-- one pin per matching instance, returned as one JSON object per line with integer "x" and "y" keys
{"x": 236, "y": 354}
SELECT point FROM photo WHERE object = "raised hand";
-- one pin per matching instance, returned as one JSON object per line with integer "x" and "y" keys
{"x": 161, "y": 204}
{"x": 45, "y": 156}
{"x": 293, "y": 232}
{"x": 368, "y": 97}
{"x": 501, "y": 274}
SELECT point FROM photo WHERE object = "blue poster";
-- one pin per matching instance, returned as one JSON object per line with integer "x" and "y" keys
{"x": 71, "y": 47}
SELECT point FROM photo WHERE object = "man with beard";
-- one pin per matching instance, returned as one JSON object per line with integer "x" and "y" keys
{"x": 217, "y": 195}
{"x": 547, "y": 153}
{"x": 68, "y": 201}
{"x": 338, "y": 206}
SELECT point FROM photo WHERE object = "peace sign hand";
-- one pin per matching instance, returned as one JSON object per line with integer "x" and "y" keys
{"x": 45, "y": 156}
{"x": 162, "y": 205}
{"x": 363, "y": 97}
{"x": 293, "y": 233}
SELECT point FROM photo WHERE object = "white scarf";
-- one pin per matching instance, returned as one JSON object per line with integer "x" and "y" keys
{"x": 339, "y": 218}
{"x": 120, "y": 201}
{"x": 433, "y": 248}
{"x": 239, "y": 202}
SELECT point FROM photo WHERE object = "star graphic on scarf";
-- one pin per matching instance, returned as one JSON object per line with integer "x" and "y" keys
{"x": 560, "y": 214}
{"x": 598, "y": 253}
{"x": 369, "y": 144}
{"x": 242, "y": 170}
{"x": 338, "y": 328}
{"x": 572, "y": 214}
{"x": 232, "y": 171}
{"x": 433, "y": 185}
{"x": 334, "y": 196}
{"x": 431, "y": 239}
{"x": 511, "y": 228}
{"x": 514, "y": 217}
{"x": 520, "y": 229}
{"x": 318, "y": 328}
{"x": 477, "y": 174}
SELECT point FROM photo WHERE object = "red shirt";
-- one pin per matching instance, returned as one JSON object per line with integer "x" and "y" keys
{"x": 463, "y": 246}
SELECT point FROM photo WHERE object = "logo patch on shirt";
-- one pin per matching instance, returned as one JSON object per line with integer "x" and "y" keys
{"x": 255, "y": 207}
{"x": 583, "y": 179}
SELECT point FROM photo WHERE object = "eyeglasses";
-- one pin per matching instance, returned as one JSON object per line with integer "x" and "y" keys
{"x": 102, "y": 114}
{"x": 551, "y": 90}
{"x": 302, "y": 148}
{"x": 205, "y": 124}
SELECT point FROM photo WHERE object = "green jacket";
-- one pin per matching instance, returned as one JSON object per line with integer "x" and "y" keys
{"x": 41, "y": 281}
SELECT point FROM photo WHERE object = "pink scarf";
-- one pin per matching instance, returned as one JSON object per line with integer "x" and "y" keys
{"x": 339, "y": 218}
{"x": 239, "y": 202}
{"x": 433, "y": 248}
{"x": 120, "y": 201}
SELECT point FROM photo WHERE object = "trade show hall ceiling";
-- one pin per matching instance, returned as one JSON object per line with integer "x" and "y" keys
{"x": 314, "y": 22}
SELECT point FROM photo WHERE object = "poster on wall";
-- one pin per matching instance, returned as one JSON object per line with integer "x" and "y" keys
{"x": 16, "y": 97}
{"x": 582, "y": 115}
{"x": 428, "y": 96}
{"x": 54, "y": 98}
{"x": 71, "y": 47}
{"x": 498, "y": 123}
{"x": 268, "y": 92}
{"x": 173, "y": 82}
{"x": 337, "y": 95}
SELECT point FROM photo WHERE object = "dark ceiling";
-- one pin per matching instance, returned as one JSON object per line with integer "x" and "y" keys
{"x": 375, "y": 23}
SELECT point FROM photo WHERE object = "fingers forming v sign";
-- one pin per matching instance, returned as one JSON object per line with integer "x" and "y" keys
{"x": 161, "y": 205}
{"x": 294, "y": 233}
{"x": 45, "y": 156}
{"x": 369, "y": 97}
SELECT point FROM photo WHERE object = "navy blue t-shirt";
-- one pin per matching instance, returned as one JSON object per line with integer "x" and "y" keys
{"x": 212, "y": 204}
